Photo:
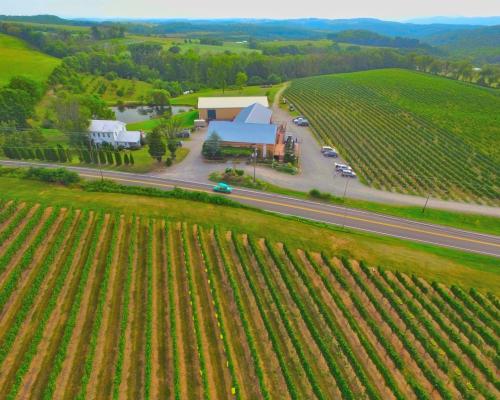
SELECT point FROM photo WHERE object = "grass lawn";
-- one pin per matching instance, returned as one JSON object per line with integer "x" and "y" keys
{"x": 192, "y": 99}
{"x": 17, "y": 58}
{"x": 430, "y": 262}
{"x": 186, "y": 119}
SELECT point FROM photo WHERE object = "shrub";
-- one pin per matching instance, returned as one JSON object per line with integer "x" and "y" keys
{"x": 57, "y": 175}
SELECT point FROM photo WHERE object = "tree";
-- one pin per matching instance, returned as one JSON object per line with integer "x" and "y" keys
{"x": 73, "y": 118}
{"x": 273, "y": 79}
{"x": 28, "y": 85}
{"x": 241, "y": 79}
{"x": 109, "y": 157}
{"x": 169, "y": 129}
{"x": 212, "y": 147}
{"x": 61, "y": 154}
{"x": 15, "y": 105}
{"x": 118, "y": 158}
{"x": 131, "y": 158}
{"x": 159, "y": 97}
{"x": 156, "y": 146}
{"x": 126, "y": 161}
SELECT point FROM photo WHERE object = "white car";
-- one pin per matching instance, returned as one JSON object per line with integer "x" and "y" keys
{"x": 348, "y": 173}
{"x": 341, "y": 167}
{"x": 325, "y": 149}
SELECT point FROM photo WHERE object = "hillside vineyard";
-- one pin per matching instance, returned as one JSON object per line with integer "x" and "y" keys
{"x": 101, "y": 306}
{"x": 409, "y": 132}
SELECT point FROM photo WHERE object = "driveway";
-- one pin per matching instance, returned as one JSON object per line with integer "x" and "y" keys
{"x": 317, "y": 172}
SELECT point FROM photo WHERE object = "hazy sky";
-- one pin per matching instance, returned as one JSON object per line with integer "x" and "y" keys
{"x": 385, "y": 9}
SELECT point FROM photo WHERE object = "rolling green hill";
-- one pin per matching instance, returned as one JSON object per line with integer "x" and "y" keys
{"x": 18, "y": 59}
{"x": 409, "y": 131}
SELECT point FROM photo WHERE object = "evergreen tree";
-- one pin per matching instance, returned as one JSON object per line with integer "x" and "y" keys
{"x": 157, "y": 148}
{"x": 118, "y": 158}
{"x": 102, "y": 157}
{"x": 39, "y": 154}
{"x": 131, "y": 159}
{"x": 61, "y": 154}
{"x": 109, "y": 157}
{"x": 69, "y": 155}
{"x": 125, "y": 159}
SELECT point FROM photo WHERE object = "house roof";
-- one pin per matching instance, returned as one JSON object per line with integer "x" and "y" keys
{"x": 129, "y": 137}
{"x": 105, "y": 125}
{"x": 243, "y": 133}
{"x": 254, "y": 114}
{"x": 231, "y": 102}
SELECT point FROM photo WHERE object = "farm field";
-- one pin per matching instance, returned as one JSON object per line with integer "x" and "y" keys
{"x": 22, "y": 60}
{"x": 125, "y": 90}
{"x": 409, "y": 132}
{"x": 120, "y": 306}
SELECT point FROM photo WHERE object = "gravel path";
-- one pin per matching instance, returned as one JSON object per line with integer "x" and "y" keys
{"x": 317, "y": 172}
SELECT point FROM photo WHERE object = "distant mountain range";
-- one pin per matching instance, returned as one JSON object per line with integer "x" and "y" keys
{"x": 486, "y": 21}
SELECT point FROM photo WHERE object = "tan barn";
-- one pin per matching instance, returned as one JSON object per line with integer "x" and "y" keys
{"x": 226, "y": 108}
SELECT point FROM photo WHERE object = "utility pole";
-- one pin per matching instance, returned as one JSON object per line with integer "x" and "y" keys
{"x": 254, "y": 161}
{"x": 345, "y": 189}
{"x": 91, "y": 142}
{"x": 426, "y": 201}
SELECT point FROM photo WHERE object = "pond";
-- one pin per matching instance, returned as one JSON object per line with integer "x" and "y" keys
{"x": 144, "y": 113}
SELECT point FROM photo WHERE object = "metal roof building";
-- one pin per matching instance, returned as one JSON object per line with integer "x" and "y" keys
{"x": 238, "y": 132}
{"x": 227, "y": 108}
{"x": 254, "y": 114}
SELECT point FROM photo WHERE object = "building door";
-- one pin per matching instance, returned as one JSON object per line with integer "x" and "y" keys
{"x": 211, "y": 114}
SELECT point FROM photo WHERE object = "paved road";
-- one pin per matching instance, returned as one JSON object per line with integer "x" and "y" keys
{"x": 352, "y": 218}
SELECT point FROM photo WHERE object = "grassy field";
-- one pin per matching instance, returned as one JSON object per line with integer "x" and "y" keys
{"x": 161, "y": 303}
{"x": 192, "y": 99}
{"x": 409, "y": 132}
{"x": 18, "y": 59}
{"x": 125, "y": 90}
{"x": 195, "y": 45}
{"x": 186, "y": 120}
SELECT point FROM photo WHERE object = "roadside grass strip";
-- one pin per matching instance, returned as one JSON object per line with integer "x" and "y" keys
{"x": 70, "y": 324}
{"x": 218, "y": 312}
{"x": 11, "y": 283}
{"x": 117, "y": 377}
{"x": 257, "y": 362}
{"x": 194, "y": 310}
{"x": 87, "y": 369}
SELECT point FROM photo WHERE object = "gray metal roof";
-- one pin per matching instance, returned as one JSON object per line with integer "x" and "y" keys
{"x": 254, "y": 114}
{"x": 105, "y": 125}
{"x": 129, "y": 137}
{"x": 243, "y": 133}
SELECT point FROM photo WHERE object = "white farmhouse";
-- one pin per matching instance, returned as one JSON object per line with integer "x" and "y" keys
{"x": 114, "y": 133}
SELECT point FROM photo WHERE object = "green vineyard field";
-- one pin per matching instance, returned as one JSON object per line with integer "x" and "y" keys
{"x": 100, "y": 305}
{"x": 409, "y": 132}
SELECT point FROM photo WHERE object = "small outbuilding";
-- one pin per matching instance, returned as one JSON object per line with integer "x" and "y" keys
{"x": 227, "y": 108}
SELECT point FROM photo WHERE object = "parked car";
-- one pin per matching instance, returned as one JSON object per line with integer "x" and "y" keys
{"x": 222, "y": 187}
{"x": 340, "y": 167}
{"x": 303, "y": 122}
{"x": 330, "y": 153}
{"x": 324, "y": 149}
{"x": 297, "y": 119}
{"x": 348, "y": 173}
{"x": 184, "y": 134}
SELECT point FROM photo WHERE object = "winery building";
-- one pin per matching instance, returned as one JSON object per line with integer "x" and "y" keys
{"x": 227, "y": 108}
